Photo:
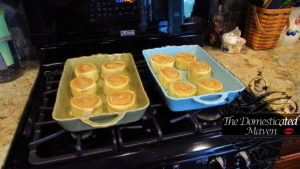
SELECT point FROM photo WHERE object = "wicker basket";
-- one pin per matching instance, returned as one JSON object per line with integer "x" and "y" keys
{"x": 264, "y": 26}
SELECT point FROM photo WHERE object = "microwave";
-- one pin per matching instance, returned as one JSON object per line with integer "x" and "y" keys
{"x": 53, "y": 21}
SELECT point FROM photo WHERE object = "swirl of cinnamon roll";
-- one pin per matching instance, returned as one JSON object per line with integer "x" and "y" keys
{"x": 116, "y": 82}
{"x": 198, "y": 69}
{"x": 181, "y": 89}
{"x": 113, "y": 68}
{"x": 83, "y": 85}
{"x": 208, "y": 85}
{"x": 120, "y": 100}
{"x": 159, "y": 61}
{"x": 85, "y": 105}
{"x": 167, "y": 75}
{"x": 87, "y": 70}
{"x": 182, "y": 60}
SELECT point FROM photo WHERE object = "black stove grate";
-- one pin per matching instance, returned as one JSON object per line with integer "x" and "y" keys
{"x": 161, "y": 139}
{"x": 51, "y": 143}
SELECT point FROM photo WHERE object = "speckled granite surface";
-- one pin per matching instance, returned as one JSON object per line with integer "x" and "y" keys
{"x": 278, "y": 66}
{"x": 13, "y": 98}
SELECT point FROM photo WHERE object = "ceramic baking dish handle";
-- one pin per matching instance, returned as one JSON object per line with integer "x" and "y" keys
{"x": 114, "y": 121}
{"x": 212, "y": 99}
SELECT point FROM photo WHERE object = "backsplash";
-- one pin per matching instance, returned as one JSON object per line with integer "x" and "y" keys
{"x": 234, "y": 14}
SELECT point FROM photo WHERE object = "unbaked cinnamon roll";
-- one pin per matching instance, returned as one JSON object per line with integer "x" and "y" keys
{"x": 116, "y": 82}
{"x": 180, "y": 89}
{"x": 86, "y": 70}
{"x": 208, "y": 85}
{"x": 167, "y": 75}
{"x": 83, "y": 105}
{"x": 182, "y": 60}
{"x": 159, "y": 61}
{"x": 113, "y": 68}
{"x": 121, "y": 100}
{"x": 198, "y": 69}
{"x": 83, "y": 85}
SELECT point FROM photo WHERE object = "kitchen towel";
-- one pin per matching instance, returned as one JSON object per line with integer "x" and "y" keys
{"x": 2, "y": 63}
{"x": 5, "y": 39}
{"x": 4, "y": 32}
{"x": 6, "y": 53}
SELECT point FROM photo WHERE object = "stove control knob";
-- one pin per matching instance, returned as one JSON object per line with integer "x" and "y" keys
{"x": 242, "y": 160}
{"x": 217, "y": 163}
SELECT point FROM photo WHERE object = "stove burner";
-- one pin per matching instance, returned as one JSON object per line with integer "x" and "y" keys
{"x": 82, "y": 135}
{"x": 208, "y": 115}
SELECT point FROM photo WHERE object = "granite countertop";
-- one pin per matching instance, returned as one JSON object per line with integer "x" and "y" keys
{"x": 13, "y": 98}
{"x": 279, "y": 68}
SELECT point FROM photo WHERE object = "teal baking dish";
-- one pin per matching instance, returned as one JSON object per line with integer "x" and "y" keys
{"x": 232, "y": 86}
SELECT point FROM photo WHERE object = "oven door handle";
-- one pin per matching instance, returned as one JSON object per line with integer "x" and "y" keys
{"x": 212, "y": 99}
{"x": 94, "y": 123}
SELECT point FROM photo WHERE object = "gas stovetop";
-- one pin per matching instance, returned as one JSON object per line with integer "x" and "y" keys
{"x": 161, "y": 139}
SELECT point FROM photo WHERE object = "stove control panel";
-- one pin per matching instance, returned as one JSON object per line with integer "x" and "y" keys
{"x": 108, "y": 10}
{"x": 217, "y": 163}
{"x": 229, "y": 157}
{"x": 242, "y": 160}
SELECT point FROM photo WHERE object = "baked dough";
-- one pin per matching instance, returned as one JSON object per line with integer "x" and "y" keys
{"x": 198, "y": 69}
{"x": 121, "y": 100}
{"x": 86, "y": 70}
{"x": 113, "y": 68}
{"x": 180, "y": 89}
{"x": 83, "y": 84}
{"x": 159, "y": 61}
{"x": 85, "y": 104}
{"x": 208, "y": 85}
{"x": 167, "y": 75}
{"x": 115, "y": 82}
{"x": 182, "y": 60}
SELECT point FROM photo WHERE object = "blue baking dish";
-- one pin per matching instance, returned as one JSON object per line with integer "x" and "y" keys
{"x": 232, "y": 86}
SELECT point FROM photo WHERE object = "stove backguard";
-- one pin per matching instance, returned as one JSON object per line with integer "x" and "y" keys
{"x": 53, "y": 21}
